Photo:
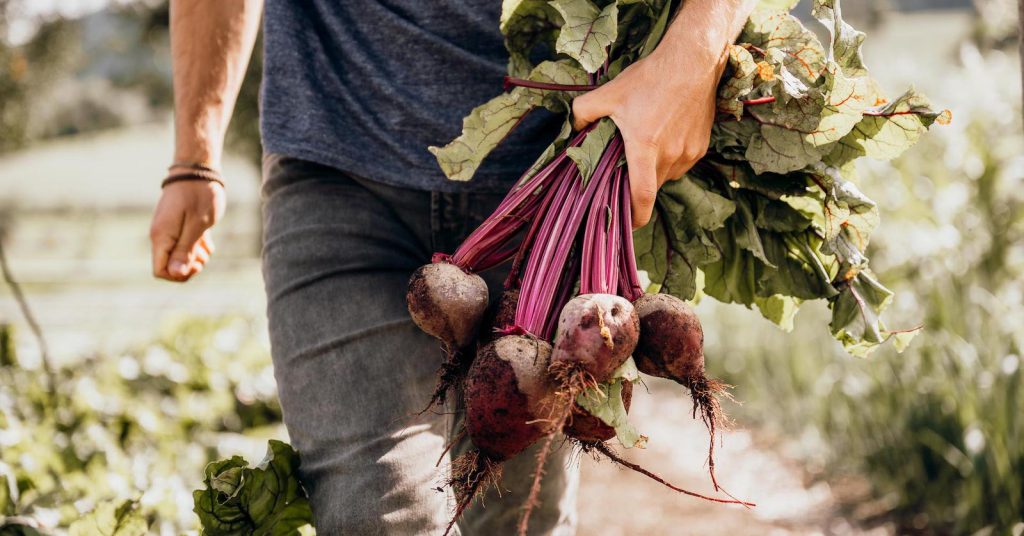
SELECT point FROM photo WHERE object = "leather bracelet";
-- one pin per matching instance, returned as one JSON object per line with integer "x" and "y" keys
{"x": 194, "y": 175}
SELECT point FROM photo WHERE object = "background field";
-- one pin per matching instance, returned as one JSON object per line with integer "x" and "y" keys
{"x": 153, "y": 380}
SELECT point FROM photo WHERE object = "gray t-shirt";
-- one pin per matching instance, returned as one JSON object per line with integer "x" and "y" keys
{"x": 366, "y": 85}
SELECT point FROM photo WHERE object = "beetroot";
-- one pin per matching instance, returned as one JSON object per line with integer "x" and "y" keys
{"x": 509, "y": 404}
{"x": 671, "y": 343}
{"x": 587, "y": 428}
{"x": 671, "y": 346}
{"x": 596, "y": 332}
{"x": 508, "y": 396}
{"x": 501, "y": 316}
{"x": 447, "y": 303}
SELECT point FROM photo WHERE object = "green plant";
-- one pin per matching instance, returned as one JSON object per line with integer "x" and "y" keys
{"x": 937, "y": 432}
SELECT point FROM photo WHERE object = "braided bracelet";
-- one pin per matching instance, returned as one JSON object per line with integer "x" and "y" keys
{"x": 196, "y": 172}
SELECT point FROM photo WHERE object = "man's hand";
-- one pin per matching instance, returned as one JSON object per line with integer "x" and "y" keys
{"x": 664, "y": 104}
{"x": 210, "y": 47}
{"x": 180, "y": 233}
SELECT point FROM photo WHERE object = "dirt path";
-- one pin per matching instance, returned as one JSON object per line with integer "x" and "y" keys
{"x": 616, "y": 501}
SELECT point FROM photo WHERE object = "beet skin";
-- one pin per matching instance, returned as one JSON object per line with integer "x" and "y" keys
{"x": 509, "y": 398}
{"x": 597, "y": 331}
{"x": 671, "y": 341}
{"x": 447, "y": 303}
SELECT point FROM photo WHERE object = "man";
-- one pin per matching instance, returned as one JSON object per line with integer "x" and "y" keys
{"x": 353, "y": 93}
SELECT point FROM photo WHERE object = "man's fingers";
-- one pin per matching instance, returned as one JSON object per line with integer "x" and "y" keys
{"x": 163, "y": 235}
{"x": 162, "y": 245}
{"x": 207, "y": 242}
{"x": 642, "y": 159}
{"x": 591, "y": 106}
{"x": 182, "y": 254}
{"x": 199, "y": 253}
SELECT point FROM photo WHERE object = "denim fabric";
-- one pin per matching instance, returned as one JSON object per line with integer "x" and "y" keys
{"x": 353, "y": 370}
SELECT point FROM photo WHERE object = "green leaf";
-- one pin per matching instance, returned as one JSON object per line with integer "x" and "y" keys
{"x": 488, "y": 124}
{"x": 844, "y": 48}
{"x": 650, "y": 244}
{"x": 657, "y": 31}
{"x": 902, "y": 339}
{"x": 526, "y": 23}
{"x": 733, "y": 278}
{"x": 111, "y": 519}
{"x": 800, "y": 131}
{"x": 850, "y": 217}
{"x": 796, "y": 272}
{"x": 482, "y": 131}
{"x": 605, "y": 402}
{"x": 745, "y": 230}
{"x": 588, "y": 153}
{"x": 690, "y": 211}
{"x": 587, "y": 31}
{"x": 779, "y": 309}
{"x": 706, "y": 209}
{"x": 8, "y": 491}
{"x": 266, "y": 500}
{"x": 886, "y": 131}
{"x": 855, "y": 312}
{"x": 779, "y": 216}
{"x": 776, "y": 5}
{"x": 788, "y": 41}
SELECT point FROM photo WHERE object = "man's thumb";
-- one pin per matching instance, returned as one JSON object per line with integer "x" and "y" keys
{"x": 180, "y": 260}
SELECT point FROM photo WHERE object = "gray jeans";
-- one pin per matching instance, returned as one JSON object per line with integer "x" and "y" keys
{"x": 353, "y": 370}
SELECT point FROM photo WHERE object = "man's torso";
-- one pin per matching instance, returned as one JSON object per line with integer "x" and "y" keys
{"x": 366, "y": 85}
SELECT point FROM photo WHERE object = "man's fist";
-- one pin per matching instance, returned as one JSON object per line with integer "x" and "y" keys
{"x": 180, "y": 234}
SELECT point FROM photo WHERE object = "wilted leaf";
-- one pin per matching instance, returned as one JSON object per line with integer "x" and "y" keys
{"x": 886, "y": 131}
{"x": 844, "y": 48}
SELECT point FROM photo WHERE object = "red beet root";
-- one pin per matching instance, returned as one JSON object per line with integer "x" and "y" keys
{"x": 447, "y": 303}
{"x": 509, "y": 399}
{"x": 500, "y": 316}
{"x": 597, "y": 332}
{"x": 671, "y": 341}
{"x": 671, "y": 346}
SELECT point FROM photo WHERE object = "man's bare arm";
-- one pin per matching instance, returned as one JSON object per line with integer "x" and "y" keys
{"x": 211, "y": 42}
{"x": 664, "y": 104}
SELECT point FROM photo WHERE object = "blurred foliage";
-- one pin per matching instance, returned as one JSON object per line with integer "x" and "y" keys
{"x": 138, "y": 427}
{"x": 102, "y": 71}
{"x": 937, "y": 433}
{"x": 996, "y": 25}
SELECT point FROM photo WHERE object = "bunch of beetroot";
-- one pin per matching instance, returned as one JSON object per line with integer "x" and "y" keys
{"x": 559, "y": 351}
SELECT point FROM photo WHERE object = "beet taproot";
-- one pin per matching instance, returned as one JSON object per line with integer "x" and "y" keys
{"x": 447, "y": 303}
{"x": 509, "y": 398}
{"x": 596, "y": 332}
{"x": 501, "y": 315}
{"x": 671, "y": 346}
